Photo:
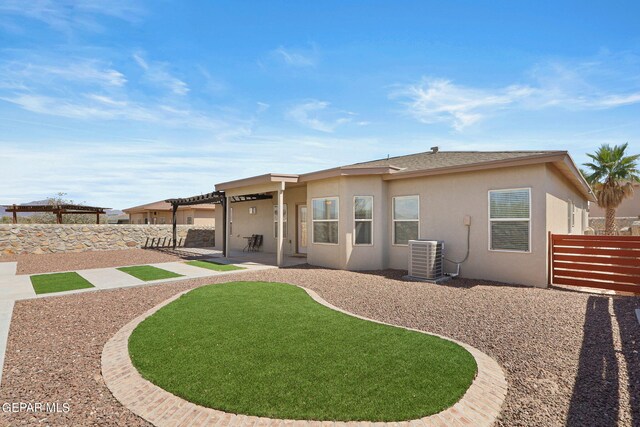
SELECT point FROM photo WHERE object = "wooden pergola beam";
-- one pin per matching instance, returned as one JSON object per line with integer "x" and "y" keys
{"x": 57, "y": 210}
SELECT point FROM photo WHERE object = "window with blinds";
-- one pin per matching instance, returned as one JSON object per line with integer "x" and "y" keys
{"x": 510, "y": 220}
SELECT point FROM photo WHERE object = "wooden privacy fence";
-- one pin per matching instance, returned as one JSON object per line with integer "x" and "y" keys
{"x": 605, "y": 262}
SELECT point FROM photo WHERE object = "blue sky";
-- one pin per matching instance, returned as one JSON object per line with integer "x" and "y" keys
{"x": 118, "y": 103}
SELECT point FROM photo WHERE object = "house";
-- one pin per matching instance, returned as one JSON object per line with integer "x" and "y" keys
{"x": 160, "y": 213}
{"x": 626, "y": 214}
{"x": 361, "y": 216}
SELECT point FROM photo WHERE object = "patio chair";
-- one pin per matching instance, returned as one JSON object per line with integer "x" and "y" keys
{"x": 251, "y": 241}
{"x": 258, "y": 242}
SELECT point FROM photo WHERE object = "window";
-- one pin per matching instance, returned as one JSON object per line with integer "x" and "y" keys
{"x": 571, "y": 220}
{"x": 284, "y": 220}
{"x": 230, "y": 221}
{"x": 325, "y": 220}
{"x": 363, "y": 220}
{"x": 189, "y": 220}
{"x": 406, "y": 219}
{"x": 510, "y": 220}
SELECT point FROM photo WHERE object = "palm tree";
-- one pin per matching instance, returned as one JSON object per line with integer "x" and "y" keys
{"x": 612, "y": 174}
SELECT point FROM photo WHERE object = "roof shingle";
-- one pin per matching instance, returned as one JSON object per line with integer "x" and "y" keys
{"x": 442, "y": 159}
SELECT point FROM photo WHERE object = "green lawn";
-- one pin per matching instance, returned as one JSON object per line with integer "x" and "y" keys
{"x": 58, "y": 282}
{"x": 268, "y": 349}
{"x": 211, "y": 265}
{"x": 148, "y": 272}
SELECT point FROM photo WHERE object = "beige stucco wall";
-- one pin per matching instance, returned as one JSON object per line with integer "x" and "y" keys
{"x": 630, "y": 208}
{"x": 444, "y": 202}
{"x": 446, "y": 199}
{"x": 199, "y": 216}
{"x": 345, "y": 255}
{"x": 559, "y": 192}
{"x": 245, "y": 224}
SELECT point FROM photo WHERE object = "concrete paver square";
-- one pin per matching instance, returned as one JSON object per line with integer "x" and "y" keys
{"x": 185, "y": 269}
{"x": 109, "y": 278}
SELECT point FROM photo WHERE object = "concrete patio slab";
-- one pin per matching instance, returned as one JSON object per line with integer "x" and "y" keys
{"x": 109, "y": 278}
{"x": 185, "y": 269}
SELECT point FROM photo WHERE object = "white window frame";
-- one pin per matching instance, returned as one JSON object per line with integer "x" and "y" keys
{"x": 285, "y": 222}
{"x": 571, "y": 215}
{"x": 394, "y": 220}
{"x": 355, "y": 220}
{"x": 313, "y": 220}
{"x": 230, "y": 221}
{"x": 504, "y": 190}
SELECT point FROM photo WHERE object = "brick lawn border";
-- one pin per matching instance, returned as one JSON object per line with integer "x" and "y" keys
{"x": 479, "y": 406}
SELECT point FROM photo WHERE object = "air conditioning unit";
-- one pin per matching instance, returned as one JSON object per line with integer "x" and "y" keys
{"x": 426, "y": 260}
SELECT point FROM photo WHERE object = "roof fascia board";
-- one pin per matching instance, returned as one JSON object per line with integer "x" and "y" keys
{"x": 254, "y": 180}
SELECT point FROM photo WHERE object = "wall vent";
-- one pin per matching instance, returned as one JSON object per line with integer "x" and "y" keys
{"x": 426, "y": 260}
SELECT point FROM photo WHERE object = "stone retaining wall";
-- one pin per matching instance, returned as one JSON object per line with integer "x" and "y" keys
{"x": 50, "y": 238}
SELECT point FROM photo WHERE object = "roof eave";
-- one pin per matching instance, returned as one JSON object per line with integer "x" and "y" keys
{"x": 258, "y": 179}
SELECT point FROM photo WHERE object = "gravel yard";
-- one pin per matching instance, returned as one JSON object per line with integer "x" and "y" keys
{"x": 569, "y": 358}
{"x": 47, "y": 263}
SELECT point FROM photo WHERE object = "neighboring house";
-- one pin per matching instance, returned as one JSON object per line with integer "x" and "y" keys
{"x": 627, "y": 213}
{"x": 160, "y": 213}
{"x": 361, "y": 216}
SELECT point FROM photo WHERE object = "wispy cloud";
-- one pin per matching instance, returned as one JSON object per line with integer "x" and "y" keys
{"x": 89, "y": 89}
{"x": 27, "y": 72}
{"x": 440, "y": 100}
{"x": 554, "y": 85}
{"x": 109, "y": 167}
{"x": 68, "y": 15}
{"x": 297, "y": 57}
{"x": 318, "y": 116}
{"x": 157, "y": 73}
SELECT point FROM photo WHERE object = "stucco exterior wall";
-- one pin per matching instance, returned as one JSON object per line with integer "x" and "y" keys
{"x": 322, "y": 254}
{"x": 199, "y": 217}
{"x": 245, "y": 224}
{"x": 559, "y": 193}
{"x": 52, "y": 238}
{"x": 446, "y": 199}
{"x": 346, "y": 255}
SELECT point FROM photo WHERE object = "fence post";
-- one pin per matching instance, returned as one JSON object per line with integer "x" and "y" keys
{"x": 550, "y": 260}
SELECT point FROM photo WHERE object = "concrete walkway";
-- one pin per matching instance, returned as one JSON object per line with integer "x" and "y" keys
{"x": 18, "y": 287}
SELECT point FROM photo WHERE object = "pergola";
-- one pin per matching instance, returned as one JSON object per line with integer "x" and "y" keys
{"x": 58, "y": 210}
{"x": 215, "y": 197}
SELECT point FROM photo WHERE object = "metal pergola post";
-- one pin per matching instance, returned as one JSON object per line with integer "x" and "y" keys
{"x": 174, "y": 210}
